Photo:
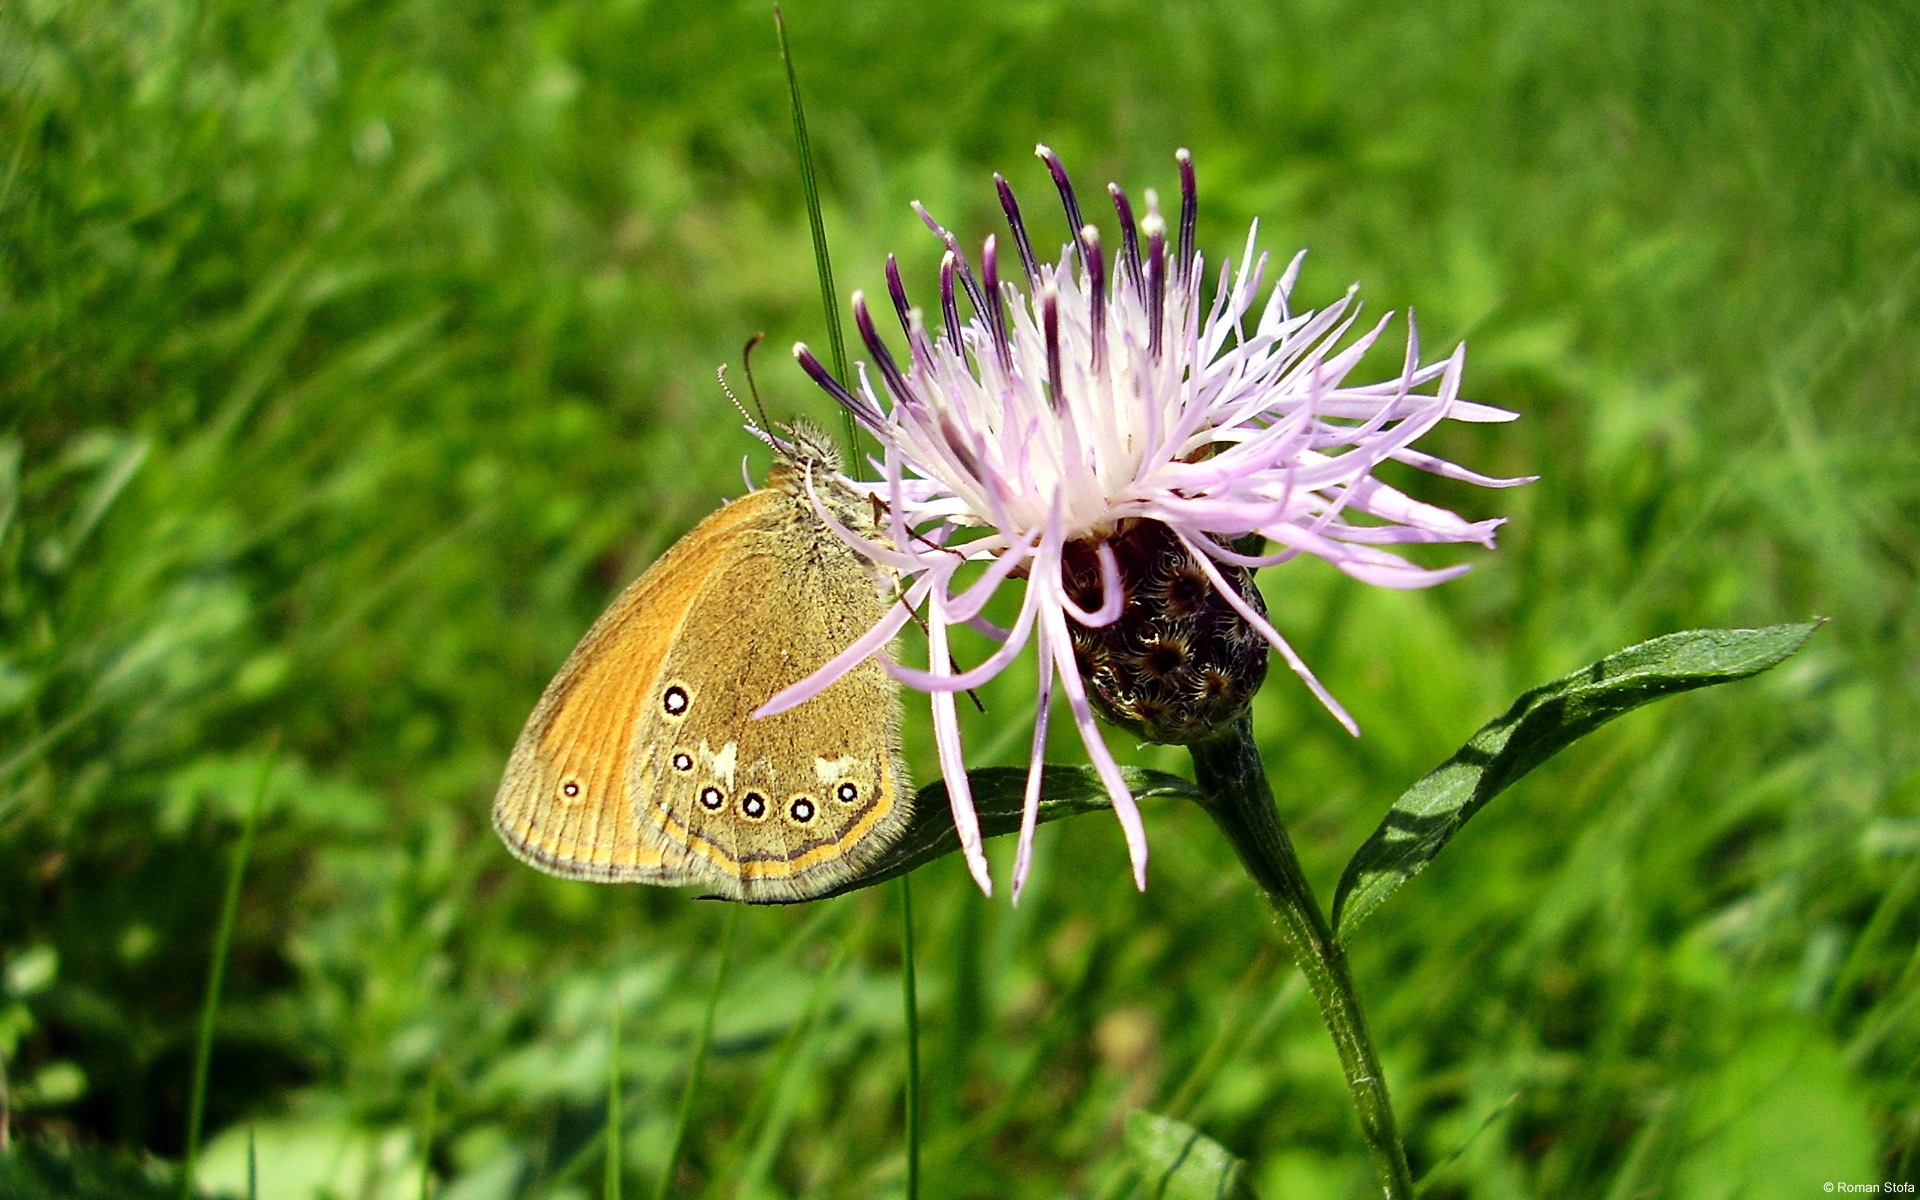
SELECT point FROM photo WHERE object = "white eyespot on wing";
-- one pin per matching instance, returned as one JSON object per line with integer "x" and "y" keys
{"x": 832, "y": 770}
{"x": 720, "y": 763}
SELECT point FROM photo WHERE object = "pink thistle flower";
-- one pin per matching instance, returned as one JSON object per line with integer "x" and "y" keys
{"x": 1101, "y": 393}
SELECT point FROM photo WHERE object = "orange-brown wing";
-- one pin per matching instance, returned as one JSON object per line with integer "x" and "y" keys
{"x": 805, "y": 799}
{"x": 789, "y": 806}
{"x": 564, "y": 804}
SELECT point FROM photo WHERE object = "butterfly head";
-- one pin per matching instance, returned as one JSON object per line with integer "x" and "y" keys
{"x": 806, "y": 449}
{"x": 807, "y": 466}
{"x": 802, "y": 450}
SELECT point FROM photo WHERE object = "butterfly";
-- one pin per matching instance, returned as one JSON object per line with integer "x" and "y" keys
{"x": 642, "y": 761}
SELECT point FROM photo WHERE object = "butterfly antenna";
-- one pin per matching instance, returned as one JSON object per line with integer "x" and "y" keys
{"x": 761, "y": 428}
{"x": 753, "y": 426}
{"x": 753, "y": 389}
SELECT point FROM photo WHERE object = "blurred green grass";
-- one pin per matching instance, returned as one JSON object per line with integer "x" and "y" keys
{"x": 351, "y": 355}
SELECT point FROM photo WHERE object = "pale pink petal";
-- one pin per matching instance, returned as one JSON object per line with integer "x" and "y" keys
{"x": 1058, "y": 416}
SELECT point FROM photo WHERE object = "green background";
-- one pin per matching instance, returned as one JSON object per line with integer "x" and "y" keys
{"x": 353, "y": 354}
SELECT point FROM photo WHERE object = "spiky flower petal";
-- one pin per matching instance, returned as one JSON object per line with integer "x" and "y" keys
{"x": 1102, "y": 397}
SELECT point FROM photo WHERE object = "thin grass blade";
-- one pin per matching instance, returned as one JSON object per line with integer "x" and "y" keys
{"x": 699, "y": 1056}
{"x": 810, "y": 184}
{"x": 216, "y": 976}
{"x": 427, "y": 1122}
{"x": 910, "y": 999}
{"x": 611, "y": 1188}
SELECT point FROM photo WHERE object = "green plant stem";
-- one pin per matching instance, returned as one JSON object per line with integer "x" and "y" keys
{"x": 1234, "y": 791}
{"x": 910, "y": 998}
{"x": 217, "y": 972}
{"x": 816, "y": 223}
{"x": 810, "y": 188}
{"x": 610, "y": 1187}
{"x": 6, "y": 1136}
{"x": 426, "y": 1128}
{"x": 699, "y": 1054}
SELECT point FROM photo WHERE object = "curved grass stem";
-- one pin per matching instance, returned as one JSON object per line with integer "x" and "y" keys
{"x": 217, "y": 971}
{"x": 700, "y": 1052}
{"x": 1235, "y": 793}
{"x": 615, "y": 1160}
{"x": 911, "y": 1000}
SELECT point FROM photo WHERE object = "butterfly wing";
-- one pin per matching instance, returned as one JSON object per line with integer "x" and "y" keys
{"x": 565, "y": 804}
{"x": 784, "y": 807}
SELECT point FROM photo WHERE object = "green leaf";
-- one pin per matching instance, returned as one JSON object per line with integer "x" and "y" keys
{"x": 998, "y": 793}
{"x": 1539, "y": 725}
{"x": 1178, "y": 1162}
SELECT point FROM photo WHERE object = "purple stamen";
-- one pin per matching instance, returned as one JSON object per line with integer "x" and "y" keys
{"x": 1156, "y": 278}
{"x": 897, "y": 289}
{"x": 1189, "y": 212}
{"x": 957, "y": 444}
{"x": 1012, "y": 208}
{"x": 922, "y": 347}
{"x": 966, "y": 276}
{"x": 1096, "y": 292}
{"x": 996, "y": 304}
{"x": 952, "y": 244}
{"x": 1065, "y": 185}
{"x": 882, "y": 357}
{"x": 926, "y": 218}
{"x": 864, "y": 413}
{"x": 1050, "y": 323}
{"x": 949, "y": 306}
{"x": 1130, "y": 236}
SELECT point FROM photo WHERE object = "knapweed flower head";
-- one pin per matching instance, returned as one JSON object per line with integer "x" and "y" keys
{"x": 1129, "y": 450}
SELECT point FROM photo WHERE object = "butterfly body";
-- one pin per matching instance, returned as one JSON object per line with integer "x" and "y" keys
{"x": 642, "y": 761}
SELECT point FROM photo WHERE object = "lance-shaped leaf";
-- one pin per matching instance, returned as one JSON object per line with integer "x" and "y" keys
{"x": 1539, "y": 725}
{"x": 1178, "y": 1162}
{"x": 998, "y": 795}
